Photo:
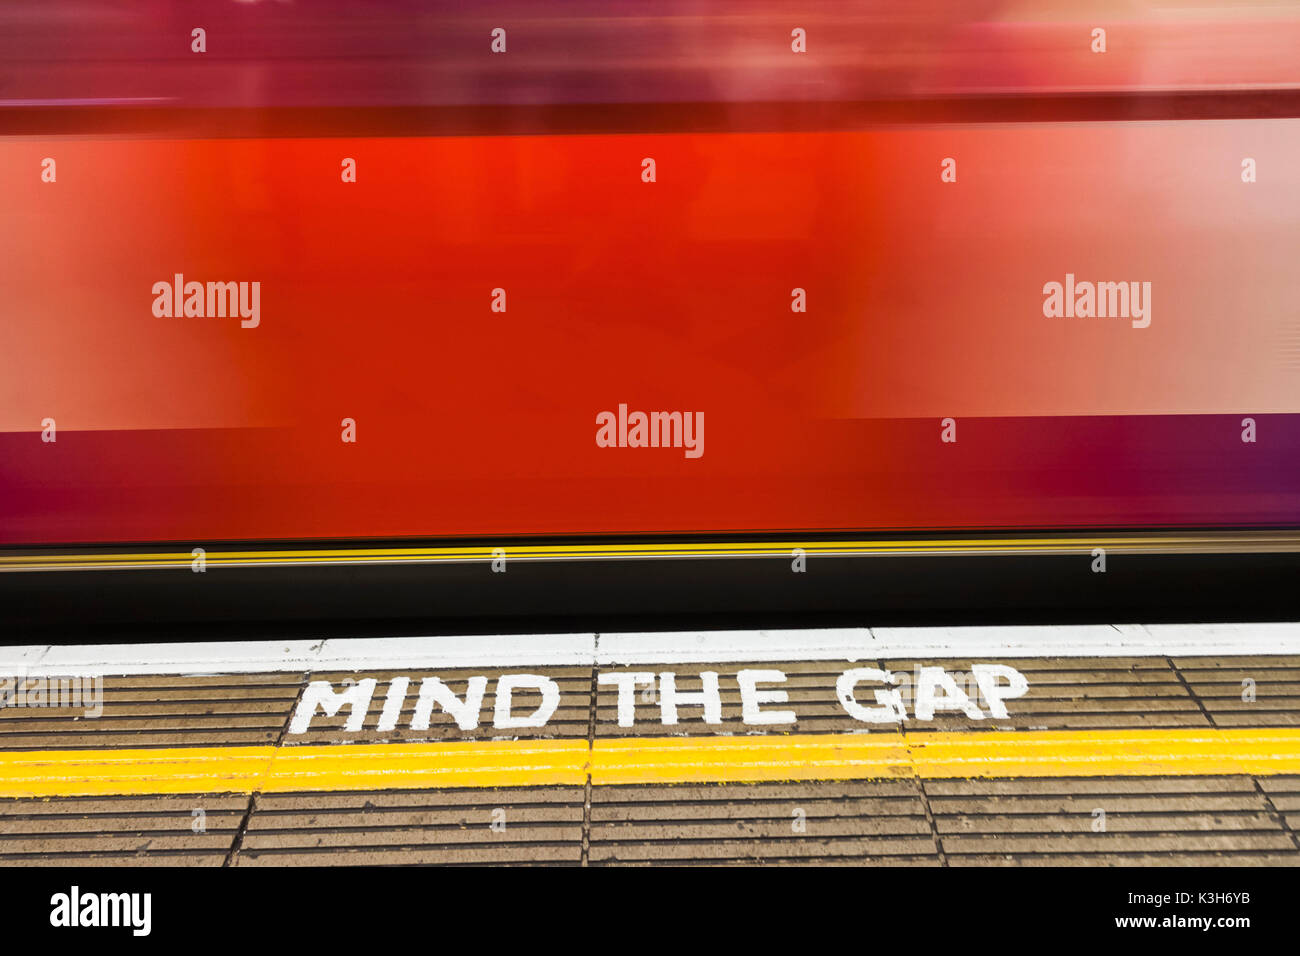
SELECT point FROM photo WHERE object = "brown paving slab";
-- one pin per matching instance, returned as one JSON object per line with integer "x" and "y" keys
{"x": 452, "y": 826}
{"x": 1107, "y": 691}
{"x": 870, "y": 861}
{"x": 160, "y": 711}
{"x": 180, "y": 704}
{"x": 1236, "y": 692}
{"x": 264, "y": 685}
{"x": 502, "y": 854}
{"x": 1230, "y": 661}
{"x": 1153, "y": 670}
{"x": 743, "y": 829}
{"x": 739, "y": 822}
{"x": 120, "y": 805}
{"x": 190, "y": 682}
{"x": 520, "y": 834}
{"x": 445, "y": 818}
{"x": 1062, "y": 721}
{"x": 363, "y": 801}
{"x": 162, "y": 724}
{"x": 1144, "y": 662}
{"x": 16, "y": 826}
{"x": 1233, "y": 688}
{"x": 807, "y": 847}
{"x": 1255, "y": 719}
{"x": 66, "y": 829}
{"x": 1064, "y": 704}
{"x": 1082, "y": 821}
{"x": 752, "y": 808}
{"x": 124, "y": 741}
{"x": 748, "y": 793}
{"x": 96, "y": 737}
{"x": 1149, "y": 821}
{"x": 138, "y": 842}
{"x": 1284, "y": 794}
{"x": 1121, "y": 842}
{"x": 118, "y": 859}
{"x": 793, "y": 669}
{"x": 1265, "y": 703}
{"x": 1154, "y": 803}
{"x": 1089, "y": 785}
{"x": 135, "y": 690}
{"x": 252, "y": 693}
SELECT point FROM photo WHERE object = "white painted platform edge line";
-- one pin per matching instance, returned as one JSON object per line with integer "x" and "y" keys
{"x": 924, "y": 652}
{"x": 263, "y": 657}
{"x": 1085, "y": 640}
{"x": 672, "y": 647}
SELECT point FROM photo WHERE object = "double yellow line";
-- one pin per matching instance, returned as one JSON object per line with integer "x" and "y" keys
{"x": 650, "y": 760}
{"x": 1171, "y": 543}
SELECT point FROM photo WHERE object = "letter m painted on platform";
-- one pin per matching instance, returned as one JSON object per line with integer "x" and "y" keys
{"x": 320, "y": 693}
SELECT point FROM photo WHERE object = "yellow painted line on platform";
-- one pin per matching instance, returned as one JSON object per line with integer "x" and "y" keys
{"x": 1241, "y": 542}
{"x": 510, "y": 763}
{"x": 936, "y": 755}
{"x": 650, "y": 760}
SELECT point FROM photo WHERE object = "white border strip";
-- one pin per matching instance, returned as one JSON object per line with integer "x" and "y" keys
{"x": 656, "y": 647}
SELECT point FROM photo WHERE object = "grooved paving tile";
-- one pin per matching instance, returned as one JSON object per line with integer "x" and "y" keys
{"x": 159, "y": 711}
{"x": 119, "y": 830}
{"x": 1254, "y": 719}
{"x": 1084, "y": 786}
{"x": 1111, "y": 819}
{"x": 1172, "y": 842}
{"x": 1283, "y": 791}
{"x": 122, "y": 859}
{"x": 1250, "y": 692}
{"x": 1284, "y": 794}
{"x": 1079, "y": 819}
{"x": 1233, "y": 662}
{"x": 755, "y": 822}
{"x": 1162, "y": 821}
{"x": 418, "y": 826}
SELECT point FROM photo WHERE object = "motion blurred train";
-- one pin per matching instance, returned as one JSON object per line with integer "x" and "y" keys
{"x": 409, "y": 312}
